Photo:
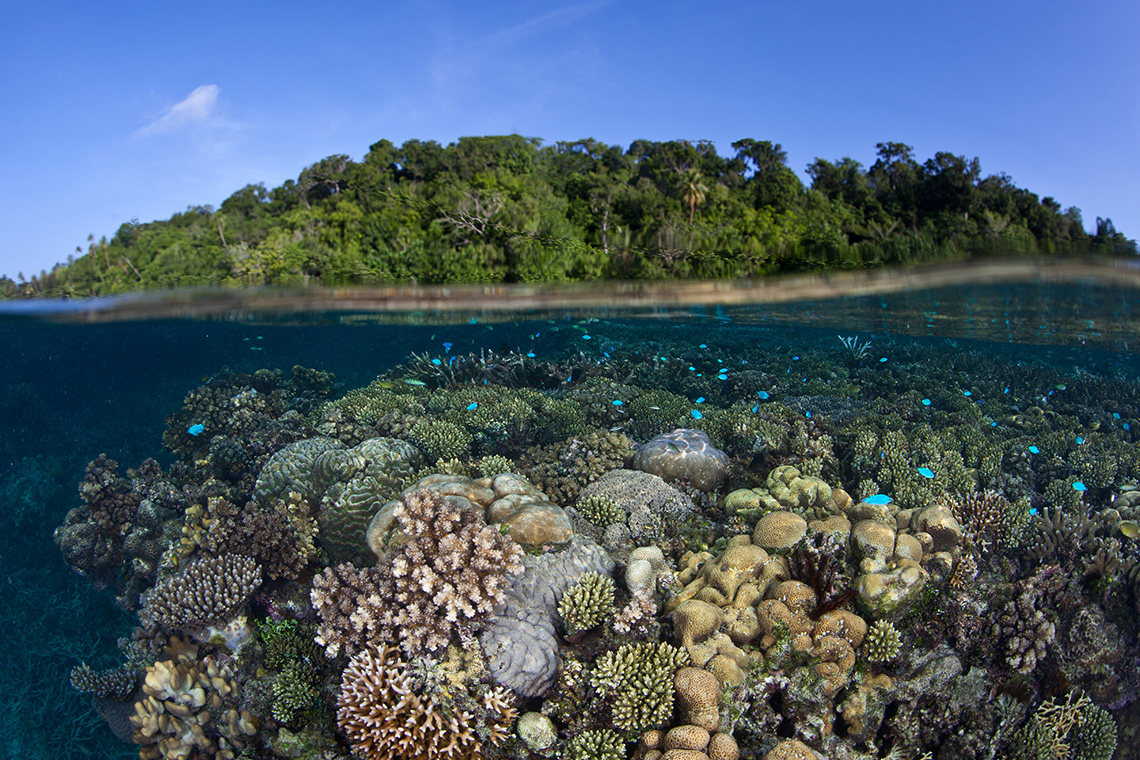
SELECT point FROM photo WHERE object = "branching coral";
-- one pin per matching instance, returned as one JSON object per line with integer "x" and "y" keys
{"x": 282, "y": 543}
{"x": 563, "y": 469}
{"x": 636, "y": 681}
{"x": 205, "y": 591}
{"x": 587, "y": 603}
{"x": 450, "y": 572}
{"x": 384, "y": 717}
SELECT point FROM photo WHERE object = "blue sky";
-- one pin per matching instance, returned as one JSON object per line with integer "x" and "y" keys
{"x": 129, "y": 110}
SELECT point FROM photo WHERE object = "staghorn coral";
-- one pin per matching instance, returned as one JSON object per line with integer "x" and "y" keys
{"x": 636, "y": 682}
{"x": 596, "y": 744}
{"x": 600, "y": 510}
{"x": 587, "y": 603}
{"x": 449, "y": 573}
{"x": 387, "y": 715}
{"x": 205, "y": 591}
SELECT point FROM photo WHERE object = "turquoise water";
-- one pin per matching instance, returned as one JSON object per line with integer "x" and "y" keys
{"x": 1047, "y": 365}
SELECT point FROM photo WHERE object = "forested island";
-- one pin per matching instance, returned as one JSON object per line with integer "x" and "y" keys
{"x": 509, "y": 209}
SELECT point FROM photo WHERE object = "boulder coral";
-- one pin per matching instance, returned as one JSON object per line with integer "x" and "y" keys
{"x": 683, "y": 454}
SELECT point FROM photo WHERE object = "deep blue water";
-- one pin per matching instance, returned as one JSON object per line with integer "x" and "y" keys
{"x": 69, "y": 392}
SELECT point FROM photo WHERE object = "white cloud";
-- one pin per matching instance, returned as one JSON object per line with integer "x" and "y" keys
{"x": 195, "y": 108}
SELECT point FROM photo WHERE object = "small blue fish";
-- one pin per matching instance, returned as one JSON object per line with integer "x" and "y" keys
{"x": 1079, "y": 486}
{"x": 703, "y": 345}
{"x": 1080, "y": 440}
{"x": 436, "y": 362}
{"x": 1034, "y": 450}
{"x": 587, "y": 337}
{"x": 606, "y": 354}
{"x": 473, "y": 321}
{"x": 472, "y": 406}
{"x": 795, "y": 358}
{"x": 700, "y": 399}
{"x": 692, "y": 368}
{"x": 755, "y": 408}
{"x": 451, "y": 361}
{"x": 195, "y": 430}
{"x": 808, "y": 413}
{"x": 926, "y": 402}
{"x": 722, "y": 377}
{"x": 1116, "y": 415}
{"x": 967, "y": 393}
{"x": 447, "y": 347}
{"x": 696, "y": 414}
{"x": 617, "y": 402}
{"x": 530, "y": 354}
{"x": 926, "y": 472}
{"x": 1032, "y": 511}
{"x": 879, "y": 498}
{"x": 1127, "y": 426}
{"x": 762, "y": 394}
{"x": 882, "y": 360}
{"x": 1005, "y": 390}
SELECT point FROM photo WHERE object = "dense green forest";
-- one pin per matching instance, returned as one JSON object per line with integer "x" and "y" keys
{"x": 508, "y": 209}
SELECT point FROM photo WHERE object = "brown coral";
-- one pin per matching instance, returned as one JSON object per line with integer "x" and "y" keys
{"x": 176, "y": 717}
{"x": 281, "y": 542}
{"x": 451, "y": 571}
{"x": 205, "y": 591}
{"x": 380, "y": 712}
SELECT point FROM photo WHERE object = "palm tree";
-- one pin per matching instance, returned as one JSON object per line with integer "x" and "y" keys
{"x": 693, "y": 190}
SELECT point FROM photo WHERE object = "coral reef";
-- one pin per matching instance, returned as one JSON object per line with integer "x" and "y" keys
{"x": 206, "y": 591}
{"x": 507, "y": 499}
{"x": 518, "y": 637}
{"x": 449, "y": 572}
{"x": 384, "y": 717}
{"x": 636, "y": 681}
{"x": 587, "y": 603}
{"x": 683, "y": 454}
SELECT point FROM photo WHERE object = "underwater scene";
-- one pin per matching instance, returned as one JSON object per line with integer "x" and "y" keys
{"x": 883, "y": 525}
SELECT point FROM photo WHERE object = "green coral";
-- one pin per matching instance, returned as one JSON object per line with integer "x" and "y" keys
{"x": 638, "y": 679}
{"x": 290, "y": 650}
{"x": 441, "y": 440}
{"x": 494, "y": 464}
{"x": 587, "y": 603}
{"x": 601, "y": 510}
{"x": 883, "y": 642}
{"x": 1094, "y": 738}
{"x": 599, "y": 744}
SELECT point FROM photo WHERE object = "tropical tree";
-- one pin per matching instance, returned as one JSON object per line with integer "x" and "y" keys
{"x": 693, "y": 190}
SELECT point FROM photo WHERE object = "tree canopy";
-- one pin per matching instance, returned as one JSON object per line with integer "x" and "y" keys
{"x": 510, "y": 209}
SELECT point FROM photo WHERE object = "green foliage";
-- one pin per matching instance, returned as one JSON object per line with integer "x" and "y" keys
{"x": 507, "y": 209}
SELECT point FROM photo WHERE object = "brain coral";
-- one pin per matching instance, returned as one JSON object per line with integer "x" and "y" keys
{"x": 519, "y": 637}
{"x": 683, "y": 454}
{"x": 345, "y": 487}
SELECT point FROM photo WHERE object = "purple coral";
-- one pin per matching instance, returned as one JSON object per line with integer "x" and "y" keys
{"x": 683, "y": 454}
